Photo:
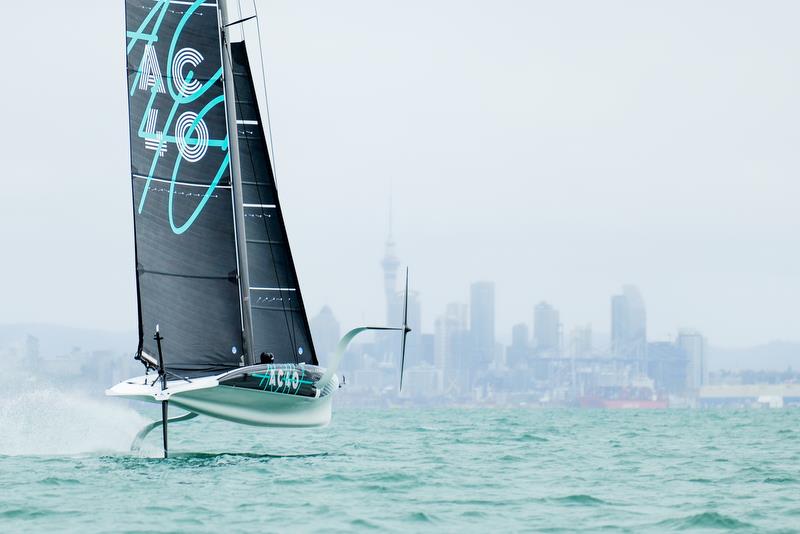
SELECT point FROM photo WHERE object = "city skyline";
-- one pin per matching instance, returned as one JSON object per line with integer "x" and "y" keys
{"x": 627, "y": 320}
{"x": 463, "y": 361}
{"x": 463, "y": 358}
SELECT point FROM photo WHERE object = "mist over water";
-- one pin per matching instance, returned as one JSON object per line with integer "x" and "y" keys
{"x": 41, "y": 419}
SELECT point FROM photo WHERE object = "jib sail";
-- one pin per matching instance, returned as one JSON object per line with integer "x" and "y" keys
{"x": 279, "y": 322}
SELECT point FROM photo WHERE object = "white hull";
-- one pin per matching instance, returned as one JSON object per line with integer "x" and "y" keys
{"x": 239, "y": 405}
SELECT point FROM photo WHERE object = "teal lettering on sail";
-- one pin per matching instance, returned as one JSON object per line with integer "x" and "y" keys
{"x": 179, "y": 67}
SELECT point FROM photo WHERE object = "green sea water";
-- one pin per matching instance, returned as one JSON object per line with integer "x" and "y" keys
{"x": 451, "y": 470}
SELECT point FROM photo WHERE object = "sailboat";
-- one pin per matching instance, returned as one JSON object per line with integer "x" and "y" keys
{"x": 223, "y": 330}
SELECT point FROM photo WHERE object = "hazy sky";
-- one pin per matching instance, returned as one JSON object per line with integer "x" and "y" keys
{"x": 560, "y": 149}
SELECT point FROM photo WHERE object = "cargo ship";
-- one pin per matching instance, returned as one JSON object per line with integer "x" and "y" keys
{"x": 639, "y": 395}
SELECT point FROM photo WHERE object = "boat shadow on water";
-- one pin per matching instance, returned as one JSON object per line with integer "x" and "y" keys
{"x": 213, "y": 455}
{"x": 200, "y": 459}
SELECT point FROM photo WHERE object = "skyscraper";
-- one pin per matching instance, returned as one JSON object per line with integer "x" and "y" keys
{"x": 580, "y": 343}
{"x": 518, "y": 352}
{"x": 666, "y": 365}
{"x": 414, "y": 347}
{"x": 629, "y": 326}
{"x": 450, "y": 345}
{"x": 546, "y": 329}
{"x": 481, "y": 323}
{"x": 694, "y": 345}
{"x": 519, "y": 335}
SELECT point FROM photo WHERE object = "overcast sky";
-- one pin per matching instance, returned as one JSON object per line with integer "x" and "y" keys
{"x": 560, "y": 149}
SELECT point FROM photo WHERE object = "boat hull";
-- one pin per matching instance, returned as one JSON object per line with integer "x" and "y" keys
{"x": 254, "y": 407}
{"x": 208, "y": 396}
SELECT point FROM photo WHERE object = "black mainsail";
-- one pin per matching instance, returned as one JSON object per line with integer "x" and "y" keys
{"x": 189, "y": 252}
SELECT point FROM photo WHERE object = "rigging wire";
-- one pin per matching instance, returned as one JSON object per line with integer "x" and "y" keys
{"x": 264, "y": 81}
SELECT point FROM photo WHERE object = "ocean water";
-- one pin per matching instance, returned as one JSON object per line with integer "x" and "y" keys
{"x": 64, "y": 467}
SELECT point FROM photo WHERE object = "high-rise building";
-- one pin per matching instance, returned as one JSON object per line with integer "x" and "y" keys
{"x": 427, "y": 347}
{"x": 481, "y": 323}
{"x": 546, "y": 329}
{"x": 629, "y": 326}
{"x": 666, "y": 365}
{"x": 450, "y": 329}
{"x": 414, "y": 342}
{"x": 580, "y": 341}
{"x": 518, "y": 352}
{"x": 326, "y": 331}
{"x": 450, "y": 347}
{"x": 519, "y": 335}
{"x": 694, "y": 345}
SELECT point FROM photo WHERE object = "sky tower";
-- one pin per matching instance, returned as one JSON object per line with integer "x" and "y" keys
{"x": 390, "y": 264}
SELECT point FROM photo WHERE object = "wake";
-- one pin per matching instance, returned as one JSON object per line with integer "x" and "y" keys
{"x": 49, "y": 421}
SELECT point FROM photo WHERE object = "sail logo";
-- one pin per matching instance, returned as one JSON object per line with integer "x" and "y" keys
{"x": 155, "y": 141}
{"x": 187, "y": 122}
{"x": 186, "y": 56}
{"x": 151, "y": 72}
{"x": 178, "y": 97}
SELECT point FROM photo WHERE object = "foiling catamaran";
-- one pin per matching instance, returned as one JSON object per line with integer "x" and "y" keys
{"x": 223, "y": 331}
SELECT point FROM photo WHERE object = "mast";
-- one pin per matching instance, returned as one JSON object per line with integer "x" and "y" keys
{"x": 236, "y": 179}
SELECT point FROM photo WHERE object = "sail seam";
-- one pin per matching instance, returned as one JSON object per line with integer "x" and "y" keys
{"x": 176, "y": 182}
{"x": 266, "y": 308}
{"x": 264, "y": 242}
{"x": 256, "y": 183}
{"x": 179, "y": 275}
{"x": 273, "y": 289}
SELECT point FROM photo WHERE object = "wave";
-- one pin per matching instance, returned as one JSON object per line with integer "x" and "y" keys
{"x": 391, "y": 476}
{"x": 705, "y": 520}
{"x": 34, "y": 513}
{"x": 56, "y": 481}
{"x": 363, "y": 523}
{"x": 581, "y": 499}
{"x": 420, "y": 517}
{"x": 527, "y": 436}
{"x": 780, "y": 480}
